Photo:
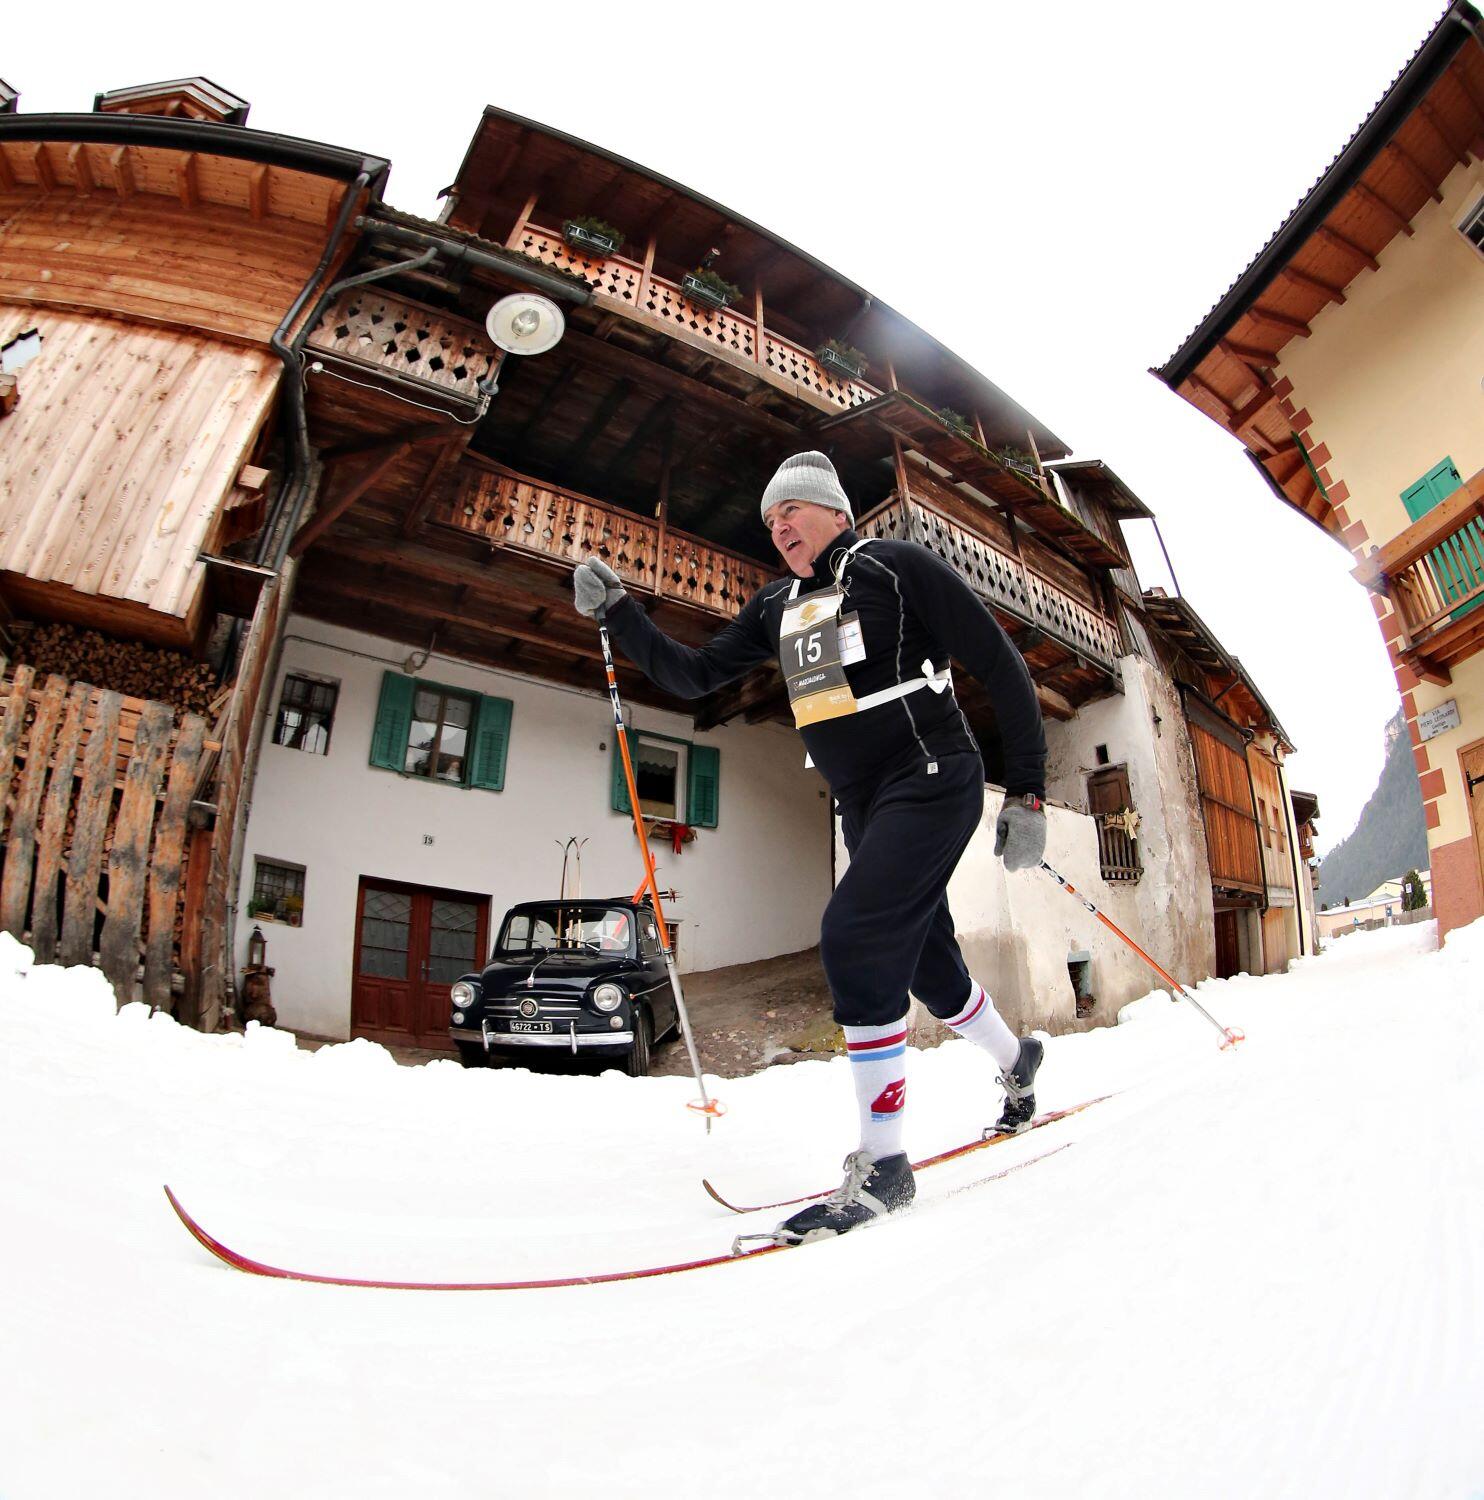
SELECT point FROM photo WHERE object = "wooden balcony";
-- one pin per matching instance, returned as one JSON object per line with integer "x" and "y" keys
{"x": 626, "y": 286}
{"x": 1004, "y": 581}
{"x": 510, "y": 510}
{"x": 1433, "y": 573}
{"x": 389, "y": 335}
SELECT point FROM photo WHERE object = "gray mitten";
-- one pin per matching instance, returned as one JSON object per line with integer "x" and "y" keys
{"x": 596, "y": 588}
{"x": 1020, "y": 832}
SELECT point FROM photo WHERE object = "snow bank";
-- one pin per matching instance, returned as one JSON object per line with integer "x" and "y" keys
{"x": 1253, "y": 1272}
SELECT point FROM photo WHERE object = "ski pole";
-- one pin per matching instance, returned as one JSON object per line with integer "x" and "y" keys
{"x": 705, "y": 1105}
{"x": 1231, "y": 1036}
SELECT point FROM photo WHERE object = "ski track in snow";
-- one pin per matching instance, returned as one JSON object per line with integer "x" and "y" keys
{"x": 1251, "y": 1273}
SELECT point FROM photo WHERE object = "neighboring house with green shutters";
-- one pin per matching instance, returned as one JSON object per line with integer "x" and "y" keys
{"x": 1348, "y": 359}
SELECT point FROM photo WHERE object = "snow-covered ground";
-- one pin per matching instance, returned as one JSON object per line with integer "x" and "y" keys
{"x": 1254, "y": 1273}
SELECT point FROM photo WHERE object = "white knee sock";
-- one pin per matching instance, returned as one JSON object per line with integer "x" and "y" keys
{"x": 983, "y": 1025}
{"x": 878, "y": 1069}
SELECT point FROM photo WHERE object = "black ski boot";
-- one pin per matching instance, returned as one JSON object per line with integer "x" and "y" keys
{"x": 871, "y": 1190}
{"x": 1020, "y": 1086}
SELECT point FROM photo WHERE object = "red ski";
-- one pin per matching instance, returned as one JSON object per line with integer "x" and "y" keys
{"x": 240, "y": 1262}
{"x": 928, "y": 1161}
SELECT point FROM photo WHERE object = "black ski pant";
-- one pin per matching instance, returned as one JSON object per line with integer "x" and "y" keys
{"x": 887, "y": 928}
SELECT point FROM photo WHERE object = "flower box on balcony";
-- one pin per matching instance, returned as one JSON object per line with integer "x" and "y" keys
{"x": 592, "y": 236}
{"x": 707, "y": 288}
{"x": 842, "y": 360}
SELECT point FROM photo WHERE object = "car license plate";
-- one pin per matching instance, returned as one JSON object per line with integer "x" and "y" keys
{"x": 530, "y": 1025}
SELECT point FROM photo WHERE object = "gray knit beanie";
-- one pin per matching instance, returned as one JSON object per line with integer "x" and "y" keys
{"x": 807, "y": 476}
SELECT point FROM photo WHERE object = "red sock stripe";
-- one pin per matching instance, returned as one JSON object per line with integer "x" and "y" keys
{"x": 964, "y": 1020}
{"x": 894, "y": 1040}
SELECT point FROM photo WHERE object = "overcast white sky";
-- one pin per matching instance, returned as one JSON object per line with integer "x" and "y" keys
{"x": 1058, "y": 192}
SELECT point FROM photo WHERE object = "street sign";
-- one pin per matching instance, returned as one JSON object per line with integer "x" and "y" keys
{"x": 1432, "y": 722}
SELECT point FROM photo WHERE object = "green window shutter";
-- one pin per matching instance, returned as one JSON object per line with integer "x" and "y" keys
{"x": 619, "y": 787}
{"x": 1432, "y": 489}
{"x": 703, "y": 797}
{"x": 393, "y": 722}
{"x": 491, "y": 744}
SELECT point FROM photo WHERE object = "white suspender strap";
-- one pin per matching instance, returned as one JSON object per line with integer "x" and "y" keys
{"x": 937, "y": 681}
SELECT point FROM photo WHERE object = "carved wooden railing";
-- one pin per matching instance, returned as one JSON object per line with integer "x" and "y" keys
{"x": 1001, "y": 579}
{"x": 1118, "y": 853}
{"x": 511, "y": 510}
{"x": 1433, "y": 572}
{"x": 369, "y": 327}
{"x": 618, "y": 281}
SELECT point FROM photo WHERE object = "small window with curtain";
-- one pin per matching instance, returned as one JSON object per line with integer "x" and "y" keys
{"x": 658, "y": 765}
{"x": 438, "y": 745}
{"x": 306, "y": 713}
{"x": 678, "y": 781}
{"x": 439, "y": 733}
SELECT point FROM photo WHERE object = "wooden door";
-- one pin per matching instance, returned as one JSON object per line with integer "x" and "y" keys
{"x": 412, "y": 943}
{"x": 1471, "y": 761}
{"x": 1275, "y": 954}
{"x": 1228, "y": 949}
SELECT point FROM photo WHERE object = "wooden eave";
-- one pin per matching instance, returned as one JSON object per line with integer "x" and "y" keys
{"x": 512, "y": 160}
{"x": 1228, "y": 682}
{"x": 190, "y": 98}
{"x": 969, "y": 462}
{"x": 1427, "y": 123}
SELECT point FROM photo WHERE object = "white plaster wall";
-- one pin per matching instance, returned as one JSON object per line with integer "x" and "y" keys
{"x": 751, "y": 888}
{"x": 1019, "y": 930}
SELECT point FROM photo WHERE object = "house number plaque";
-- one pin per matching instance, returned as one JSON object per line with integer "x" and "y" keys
{"x": 1435, "y": 721}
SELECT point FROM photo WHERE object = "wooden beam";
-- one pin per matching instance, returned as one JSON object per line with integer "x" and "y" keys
{"x": 445, "y": 458}
{"x": 258, "y": 192}
{"x": 81, "y": 167}
{"x": 1312, "y": 283}
{"x": 1428, "y": 113}
{"x": 1413, "y": 170}
{"x": 597, "y": 423}
{"x": 644, "y": 374}
{"x": 7, "y": 172}
{"x": 1392, "y": 212}
{"x": 121, "y": 166}
{"x": 1254, "y": 358}
{"x": 1249, "y": 413}
{"x": 643, "y": 432}
{"x": 1227, "y": 409}
{"x": 1278, "y": 320}
{"x": 423, "y": 432}
{"x": 186, "y": 181}
{"x": 1054, "y": 703}
{"x": 528, "y": 430}
{"x": 331, "y": 511}
{"x": 46, "y": 173}
{"x": 1334, "y": 237}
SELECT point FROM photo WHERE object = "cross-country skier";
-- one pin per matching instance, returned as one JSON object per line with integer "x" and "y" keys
{"x": 863, "y": 632}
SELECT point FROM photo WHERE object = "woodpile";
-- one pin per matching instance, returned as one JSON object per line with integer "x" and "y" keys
{"x": 157, "y": 673}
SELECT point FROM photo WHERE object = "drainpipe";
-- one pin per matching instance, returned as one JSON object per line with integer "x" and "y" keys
{"x": 295, "y": 420}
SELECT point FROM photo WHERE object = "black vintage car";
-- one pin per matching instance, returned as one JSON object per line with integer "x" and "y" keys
{"x": 585, "y": 976}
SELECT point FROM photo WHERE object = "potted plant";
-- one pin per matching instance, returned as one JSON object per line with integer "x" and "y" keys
{"x": 956, "y": 420}
{"x": 1018, "y": 459}
{"x": 291, "y": 909}
{"x": 259, "y": 908}
{"x": 842, "y": 358}
{"x": 708, "y": 288}
{"x": 592, "y": 236}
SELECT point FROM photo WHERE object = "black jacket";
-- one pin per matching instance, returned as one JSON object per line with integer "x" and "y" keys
{"x": 912, "y": 607}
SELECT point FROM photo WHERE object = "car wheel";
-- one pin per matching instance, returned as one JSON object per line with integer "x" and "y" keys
{"x": 636, "y": 1064}
{"x": 472, "y": 1055}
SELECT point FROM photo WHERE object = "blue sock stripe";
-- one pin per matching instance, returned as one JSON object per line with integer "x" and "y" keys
{"x": 883, "y": 1056}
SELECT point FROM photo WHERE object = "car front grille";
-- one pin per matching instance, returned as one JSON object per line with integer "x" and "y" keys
{"x": 549, "y": 1010}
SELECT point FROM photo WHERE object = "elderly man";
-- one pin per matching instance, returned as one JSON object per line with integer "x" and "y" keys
{"x": 863, "y": 632}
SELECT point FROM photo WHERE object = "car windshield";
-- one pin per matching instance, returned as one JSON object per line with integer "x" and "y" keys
{"x": 560, "y": 928}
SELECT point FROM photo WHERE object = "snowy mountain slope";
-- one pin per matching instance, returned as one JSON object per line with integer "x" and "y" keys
{"x": 1253, "y": 1272}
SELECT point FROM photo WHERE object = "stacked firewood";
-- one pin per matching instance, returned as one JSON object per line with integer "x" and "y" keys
{"x": 128, "y": 667}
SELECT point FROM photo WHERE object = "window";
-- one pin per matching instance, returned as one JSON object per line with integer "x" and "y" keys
{"x": 677, "y": 779}
{"x": 1111, "y": 804}
{"x": 20, "y": 351}
{"x": 1472, "y": 228}
{"x": 306, "y": 712}
{"x": 277, "y": 892}
{"x": 440, "y": 733}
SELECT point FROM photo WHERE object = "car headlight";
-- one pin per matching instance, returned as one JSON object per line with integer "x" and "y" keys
{"x": 608, "y": 997}
{"x": 462, "y": 995}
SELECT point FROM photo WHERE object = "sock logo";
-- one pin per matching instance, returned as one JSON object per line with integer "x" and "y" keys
{"x": 890, "y": 1100}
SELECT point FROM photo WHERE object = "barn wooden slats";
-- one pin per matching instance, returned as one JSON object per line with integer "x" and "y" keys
{"x": 1226, "y": 808}
{"x": 81, "y": 841}
{"x": 108, "y": 506}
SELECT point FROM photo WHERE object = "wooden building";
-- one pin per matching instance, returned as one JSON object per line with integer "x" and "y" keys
{"x": 1346, "y": 361}
{"x": 285, "y": 555}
